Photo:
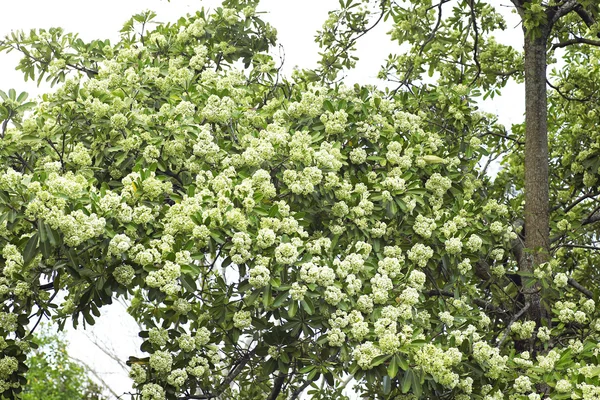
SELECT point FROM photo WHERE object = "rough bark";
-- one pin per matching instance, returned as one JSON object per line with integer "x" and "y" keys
{"x": 536, "y": 170}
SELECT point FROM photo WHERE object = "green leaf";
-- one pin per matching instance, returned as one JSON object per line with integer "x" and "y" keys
{"x": 188, "y": 282}
{"x": 392, "y": 369}
{"x": 308, "y": 306}
{"x": 402, "y": 362}
{"x": 387, "y": 385}
{"x": 267, "y": 297}
{"x": 406, "y": 381}
{"x": 380, "y": 359}
{"x": 280, "y": 299}
{"x": 22, "y": 97}
{"x": 307, "y": 369}
{"x": 251, "y": 298}
{"x": 31, "y": 249}
{"x": 293, "y": 309}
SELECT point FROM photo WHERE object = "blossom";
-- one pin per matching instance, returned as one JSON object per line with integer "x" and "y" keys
{"x": 364, "y": 353}
{"x": 242, "y": 319}
{"x": 161, "y": 361}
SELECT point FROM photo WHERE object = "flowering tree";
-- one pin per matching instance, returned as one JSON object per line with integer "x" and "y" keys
{"x": 271, "y": 233}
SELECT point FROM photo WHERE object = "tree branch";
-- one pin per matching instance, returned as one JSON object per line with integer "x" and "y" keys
{"x": 572, "y": 282}
{"x": 562, "y": 10}
{"x": 475, "y": 42}
{"x": 481, "y": 303}
{"x": 96, "y": 374}
{"x": 277, "y": 385}
{"x": 585, "y": 16}
{"x": 226, "y": 382}
{"x": 580, "y": 246}
{"x": 512, "y": 321}
{"x": 566, "y": 96}
{"x": 296, "y": 393}
{"x": 591, "y": 219}
{"x": 577, "y": 201}
{"x": 576, "y": 40}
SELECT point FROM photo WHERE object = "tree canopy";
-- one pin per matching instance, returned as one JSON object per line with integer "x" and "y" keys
{"x": 54, "y": 375}
{"x": 279, "y": 235}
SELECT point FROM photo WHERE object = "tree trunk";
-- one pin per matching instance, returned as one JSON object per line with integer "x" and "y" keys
{"x": 536, "y": 170}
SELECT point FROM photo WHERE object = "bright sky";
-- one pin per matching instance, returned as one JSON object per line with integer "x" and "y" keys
{"x": 296, "y": 22}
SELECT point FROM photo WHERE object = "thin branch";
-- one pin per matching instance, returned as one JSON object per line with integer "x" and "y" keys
{"x": 512, "y": 321}
{"x": 47, "y": 286}
{"x": 404, "y": 81}
{"x": 580, "y": 246}
{"x": 475, "y": 42}
{"x": 562, "y": 10}
{"x": 572, "y": 282}
{"x": 591, "y": 219}
{"x": 481, "y": 303}
{"x": 585, "y": 16}
{"x": 566, "y": 96}
{"x": 577, "y": 201}
{"x": 353, "y": 41}
{"x": 517, "y": 141}
{"x": 109, "y": 352}
{"x": 576, "y": 40}
{"x": 296, "y": 393}
{"x": 96, "y": 374}
{"x": 241, "y": 363}
{"x": 277, "y": 385}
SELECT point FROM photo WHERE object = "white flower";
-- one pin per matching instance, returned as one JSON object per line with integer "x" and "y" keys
{"x": 522, "y": 384}
{"x": 161, "y": 361}
{"x": 259, "y": 276}
{"x": 561, "y": 280}
{"x": 286, "y": 253}
{"x": 242, "y": 319}
{"x": 152, "y": 391}
{"x": 474, "y": 243}
{"x": 453, "y": 245}
{"x": 420, "y": 254}
{"x": 364, "y": 353}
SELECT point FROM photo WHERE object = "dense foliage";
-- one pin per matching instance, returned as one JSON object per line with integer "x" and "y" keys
{"x": 54, "y": 375}
{"x": 274, "y": 232}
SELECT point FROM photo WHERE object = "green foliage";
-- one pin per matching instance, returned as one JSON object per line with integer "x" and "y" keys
{"x": 278, "y": 234}
{"x": 53, "y": 375}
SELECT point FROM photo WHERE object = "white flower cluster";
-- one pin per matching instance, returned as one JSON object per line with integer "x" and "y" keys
{"x": 438, "y": 184}
{"x": 424, "y": 226}
{"x": 165, "y": 278}
{"x": 523, "y": 329}
{"x": 439, "y": 363}
{"x": 303, "y": 182}
{"x": 161, "y": 361}
{"x": 490, "y": 359}
{"x": 420, "y": 254}
{"x": 259, "y": 276}
{"x": 364, "y": 354}
{"x": 242, "y": 319}
{"x": 335, "y": 122}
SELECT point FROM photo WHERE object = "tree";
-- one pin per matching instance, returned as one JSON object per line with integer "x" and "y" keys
{"x": 53, "y": 375}
{"x": 273, "y": 233}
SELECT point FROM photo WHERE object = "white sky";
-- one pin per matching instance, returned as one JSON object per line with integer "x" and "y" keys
{"x": 296, "y": 22}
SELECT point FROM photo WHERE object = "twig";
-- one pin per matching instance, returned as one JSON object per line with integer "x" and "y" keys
{"x": 576, "y": 40}
{"x": 96, "y": 374}
{"x": 296, "y": 393}
{"x": 579, "y": 287}
{"x": 577, "y": 201}
{"x": 512, "y": 321}
{"x": 277, "y": 385}
{"x": 475, "y": 42}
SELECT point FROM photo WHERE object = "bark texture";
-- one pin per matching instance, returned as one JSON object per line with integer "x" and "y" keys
{"x": 536, "y": 170}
